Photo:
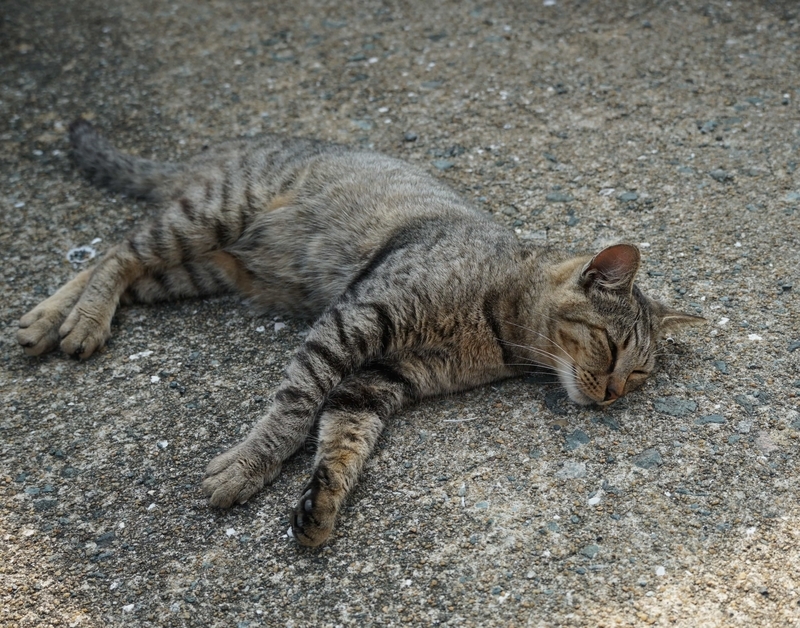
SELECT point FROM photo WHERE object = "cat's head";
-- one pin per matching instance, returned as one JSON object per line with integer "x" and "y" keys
{"x": 601, "y": 329}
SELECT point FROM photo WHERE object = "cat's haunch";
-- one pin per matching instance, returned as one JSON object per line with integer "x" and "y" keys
{"x": 413, "y": 293}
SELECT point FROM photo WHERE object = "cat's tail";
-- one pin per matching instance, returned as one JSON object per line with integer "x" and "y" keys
{"x": 106, "y": 166}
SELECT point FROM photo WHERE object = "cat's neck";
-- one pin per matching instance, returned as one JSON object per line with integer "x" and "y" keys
{"x": 527, "y": 311}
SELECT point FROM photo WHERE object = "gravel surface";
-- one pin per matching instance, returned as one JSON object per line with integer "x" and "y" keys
{"x": 673, "y": 125}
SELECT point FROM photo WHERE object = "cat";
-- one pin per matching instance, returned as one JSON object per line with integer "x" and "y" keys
{"x": 414, "y": 293}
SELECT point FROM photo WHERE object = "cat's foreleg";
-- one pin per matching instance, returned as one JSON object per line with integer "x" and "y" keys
{"x": 349, "y": 425}
{"x": 345, "y": 337}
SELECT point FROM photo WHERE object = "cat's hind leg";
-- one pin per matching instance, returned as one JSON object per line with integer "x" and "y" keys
{"x": 218, "y": 272}
{"x": 215, "y": 273}
{"x": 186, "y": 232}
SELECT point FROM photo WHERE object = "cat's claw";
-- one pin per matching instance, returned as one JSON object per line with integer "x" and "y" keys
{"x": 83, "y": 333}
{"x": 235, "y": 476}
{"x": 314, "y": 515}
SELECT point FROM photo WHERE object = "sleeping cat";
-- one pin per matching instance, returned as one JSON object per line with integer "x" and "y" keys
{"x": 414, "y": 293}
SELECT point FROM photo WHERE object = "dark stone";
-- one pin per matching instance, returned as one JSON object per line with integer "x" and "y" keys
{"x": 558, "y": 197}
{"x": 105, "y": 539}
{"x": 710, "y": 418}
{"x": 556, "y": 401}
{"x": 648, "y": 459}
{"x": 608, "y": 421}
{"x": 721, "y": 366}
{"x": 675, "y": 406}
{"x": 743, "y": 401}
{"x": 578, "y": 438}
{"x": 590, "y": 551}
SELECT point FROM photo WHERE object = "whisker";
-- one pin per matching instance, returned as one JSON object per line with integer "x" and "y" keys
{"x": 539, "y": 351}
{"x": 540, "y": 334}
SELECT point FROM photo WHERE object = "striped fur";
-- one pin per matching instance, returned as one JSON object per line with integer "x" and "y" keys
{"x": 414, "y": 293}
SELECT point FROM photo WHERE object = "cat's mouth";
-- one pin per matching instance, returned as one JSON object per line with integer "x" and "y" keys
{"x": 569, "y": 380}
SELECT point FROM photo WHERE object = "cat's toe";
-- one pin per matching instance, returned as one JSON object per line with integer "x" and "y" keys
{"x": 38, "y": 330}
{"x": 38, "y": 337}
{"x": 83, "y": 333}
{"x": 236, "y": 475}
{"x": 314, "y": 516}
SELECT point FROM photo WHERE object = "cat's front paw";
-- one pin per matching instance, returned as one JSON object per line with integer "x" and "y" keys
{"x": 38, "y": 329}
{"x": 85, "y": 332}
{"x": 315, "y": 514}
{"x": 235, "y": 476}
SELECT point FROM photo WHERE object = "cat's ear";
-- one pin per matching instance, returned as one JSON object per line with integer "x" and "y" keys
{"x": 613, "y": 268}
{"x": 670, "y": 320}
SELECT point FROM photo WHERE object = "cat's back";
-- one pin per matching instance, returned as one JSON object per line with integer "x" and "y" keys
{"x": 326, "y": 212}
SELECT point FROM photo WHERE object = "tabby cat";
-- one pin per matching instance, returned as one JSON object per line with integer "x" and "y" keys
{"x": 414, "y": 293}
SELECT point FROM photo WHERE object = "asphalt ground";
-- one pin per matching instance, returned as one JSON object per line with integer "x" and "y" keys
{"x": 672, "y": 125}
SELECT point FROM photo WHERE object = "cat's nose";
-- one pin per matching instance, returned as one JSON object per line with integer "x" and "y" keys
{"x": 614, "y": 389}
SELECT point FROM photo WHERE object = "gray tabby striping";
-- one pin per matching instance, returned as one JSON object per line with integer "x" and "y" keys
{"x": 414, "y": 293}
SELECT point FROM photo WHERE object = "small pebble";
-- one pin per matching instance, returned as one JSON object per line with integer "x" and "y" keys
{"x": 721, "y": 175}
{"x": 709, "y": 126}
{"x": 81, "y": 254}
{"x": 572, "y": 470}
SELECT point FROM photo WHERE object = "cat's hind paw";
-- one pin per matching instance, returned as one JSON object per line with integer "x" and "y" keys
{"x": 84, "y": 332}
{"x": 235, "y": 476}
{"x": 38, "y": 330}
{"x": 314, "y": 516}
